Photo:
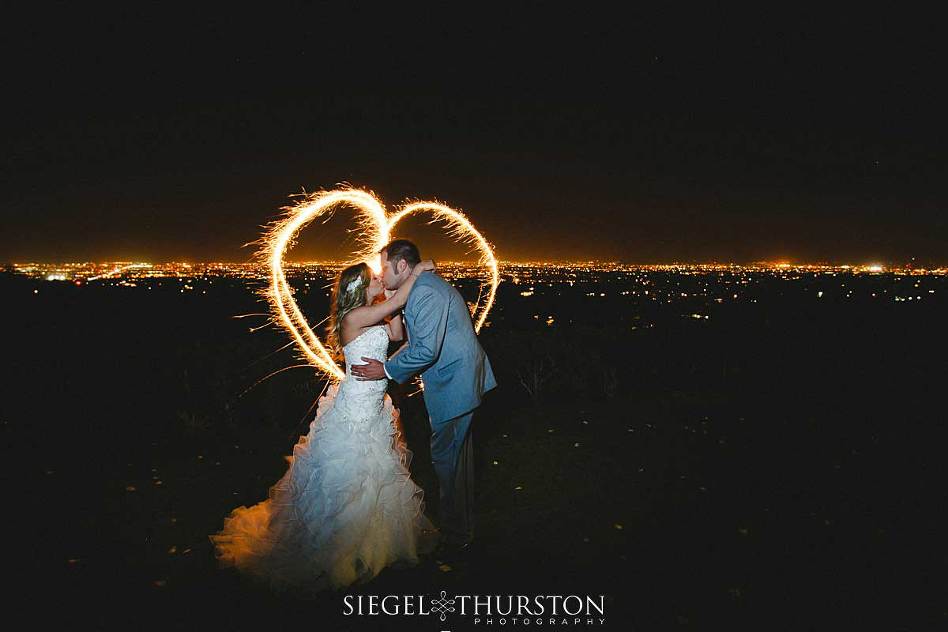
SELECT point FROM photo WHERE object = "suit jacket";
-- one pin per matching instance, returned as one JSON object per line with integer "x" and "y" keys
{"x": 443, "y": 347}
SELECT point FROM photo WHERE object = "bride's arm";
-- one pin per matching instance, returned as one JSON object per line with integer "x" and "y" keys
{"x": 396, "y": 331}
{"x": 372, "y": 314}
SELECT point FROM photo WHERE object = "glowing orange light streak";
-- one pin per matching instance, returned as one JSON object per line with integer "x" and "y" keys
{"x": 463, "y": 230}
{"x": 375, "y": 227}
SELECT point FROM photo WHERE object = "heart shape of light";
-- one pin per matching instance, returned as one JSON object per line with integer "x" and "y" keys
{"x": 375, "y": 229}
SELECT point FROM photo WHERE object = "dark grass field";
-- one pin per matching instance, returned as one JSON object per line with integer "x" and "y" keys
{"x": 780, "y": 466}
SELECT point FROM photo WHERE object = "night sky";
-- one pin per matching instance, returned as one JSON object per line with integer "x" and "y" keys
{"x": 684, "y": 135}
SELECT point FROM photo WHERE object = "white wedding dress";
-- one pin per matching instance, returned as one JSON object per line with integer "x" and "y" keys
{"x": 347, "y": 506}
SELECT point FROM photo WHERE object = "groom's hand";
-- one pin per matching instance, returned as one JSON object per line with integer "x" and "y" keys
{"x": 371, "y": 370}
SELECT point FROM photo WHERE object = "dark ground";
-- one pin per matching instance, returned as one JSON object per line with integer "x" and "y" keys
{"x": 779, "y": 466}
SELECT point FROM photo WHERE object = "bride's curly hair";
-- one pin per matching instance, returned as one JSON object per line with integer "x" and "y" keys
{"x": 348, "y": 293}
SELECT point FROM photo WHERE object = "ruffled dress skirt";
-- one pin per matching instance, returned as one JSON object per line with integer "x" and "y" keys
{"x": 345, "y": 509}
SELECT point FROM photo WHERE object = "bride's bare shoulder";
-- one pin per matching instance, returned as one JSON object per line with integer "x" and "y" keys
{"x": 350, "y": 329}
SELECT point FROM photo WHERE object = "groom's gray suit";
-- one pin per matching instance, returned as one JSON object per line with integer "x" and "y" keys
{"x": 456, "y": 373}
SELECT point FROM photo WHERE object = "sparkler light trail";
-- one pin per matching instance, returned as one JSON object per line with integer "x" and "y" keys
{"x": 374, "y": 230}
{"x": 460, "y": 229}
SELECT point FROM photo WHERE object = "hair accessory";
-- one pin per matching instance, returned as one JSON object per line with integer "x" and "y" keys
{"x": 353, "y": 284}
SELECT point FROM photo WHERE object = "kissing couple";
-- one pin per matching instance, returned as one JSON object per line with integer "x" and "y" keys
{"x": 347, "y": 507}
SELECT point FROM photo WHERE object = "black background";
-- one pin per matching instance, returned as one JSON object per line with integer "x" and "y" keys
{"x": 678, "y": 133}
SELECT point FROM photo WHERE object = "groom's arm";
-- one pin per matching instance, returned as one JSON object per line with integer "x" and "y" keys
{"x": 427, "y": 336}
{"x": 400, "y": 349}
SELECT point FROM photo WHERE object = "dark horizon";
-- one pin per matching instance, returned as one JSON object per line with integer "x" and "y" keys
{"x": 144, "y": 136}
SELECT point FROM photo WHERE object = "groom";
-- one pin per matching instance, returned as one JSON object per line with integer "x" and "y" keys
{"x": 455, "y": 371}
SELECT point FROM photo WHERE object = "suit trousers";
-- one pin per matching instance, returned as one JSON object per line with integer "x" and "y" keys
{"x": 452, "y": 455}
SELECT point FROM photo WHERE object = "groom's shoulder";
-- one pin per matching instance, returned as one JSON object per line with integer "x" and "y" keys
{"x": 430, "y": 283}
{"x": 432, "y": 280}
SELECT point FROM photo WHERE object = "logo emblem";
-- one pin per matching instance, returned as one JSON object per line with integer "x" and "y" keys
{"x": 443, "y": 605}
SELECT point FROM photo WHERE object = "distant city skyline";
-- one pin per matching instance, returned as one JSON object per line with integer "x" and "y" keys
{"x": 90, "y": 270}
{"x": 773, "y": 262}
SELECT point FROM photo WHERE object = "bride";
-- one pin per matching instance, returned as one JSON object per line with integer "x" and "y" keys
{"x": 346, "y": 507}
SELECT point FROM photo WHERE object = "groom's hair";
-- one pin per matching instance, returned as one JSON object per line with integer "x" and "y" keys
{"x": 402, "y": 250}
